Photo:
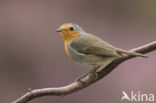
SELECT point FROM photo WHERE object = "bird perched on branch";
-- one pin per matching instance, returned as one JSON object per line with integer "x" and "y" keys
{"x": 88, "y": 49}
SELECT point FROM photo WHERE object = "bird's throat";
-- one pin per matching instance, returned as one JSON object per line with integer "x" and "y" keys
{"x": 69, "y": 36}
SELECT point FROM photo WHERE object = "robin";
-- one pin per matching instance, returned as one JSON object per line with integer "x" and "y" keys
{"x": 88, "y": 49}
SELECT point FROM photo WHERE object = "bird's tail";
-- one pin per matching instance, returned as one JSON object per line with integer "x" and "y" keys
{"x": 121, "y": 51}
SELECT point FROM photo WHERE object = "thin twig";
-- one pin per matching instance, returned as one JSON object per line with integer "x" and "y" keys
{"x": 86, "y": 81}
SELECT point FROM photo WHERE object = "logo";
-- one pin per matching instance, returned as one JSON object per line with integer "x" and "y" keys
{"x": 137, "y": 97}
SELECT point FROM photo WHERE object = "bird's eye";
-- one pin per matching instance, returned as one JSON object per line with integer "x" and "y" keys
{"x": 71, "y": 28}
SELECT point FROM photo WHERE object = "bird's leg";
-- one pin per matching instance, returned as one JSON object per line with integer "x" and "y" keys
{"x": 90, "y": 73}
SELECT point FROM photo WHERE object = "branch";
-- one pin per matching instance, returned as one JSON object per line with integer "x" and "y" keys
{"x": 85, "y": 81}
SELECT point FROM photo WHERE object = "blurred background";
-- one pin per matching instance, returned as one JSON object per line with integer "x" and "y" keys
{"x": 32, "y": 53}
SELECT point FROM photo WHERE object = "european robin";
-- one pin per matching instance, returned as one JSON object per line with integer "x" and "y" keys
{"x": 88, "y": 49}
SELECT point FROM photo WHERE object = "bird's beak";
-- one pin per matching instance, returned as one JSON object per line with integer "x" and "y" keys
{"x": 59, "y": 30}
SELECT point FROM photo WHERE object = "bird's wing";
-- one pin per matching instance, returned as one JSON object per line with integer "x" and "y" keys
{"x": 90, "y": 44}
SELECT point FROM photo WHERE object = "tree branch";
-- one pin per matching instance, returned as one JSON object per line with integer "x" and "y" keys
{"x": 85, "y": 81}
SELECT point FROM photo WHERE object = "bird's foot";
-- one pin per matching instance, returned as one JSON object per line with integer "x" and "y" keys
{"x": 91, "y": 74}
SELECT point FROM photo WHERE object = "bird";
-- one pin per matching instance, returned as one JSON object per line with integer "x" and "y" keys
{"x": 88, "y": 49}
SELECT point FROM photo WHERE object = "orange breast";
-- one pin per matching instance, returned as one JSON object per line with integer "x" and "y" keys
{"x": 67, "y": 51}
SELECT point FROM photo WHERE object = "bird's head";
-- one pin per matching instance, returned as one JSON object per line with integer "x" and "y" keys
{"x": 70, "y": 31}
